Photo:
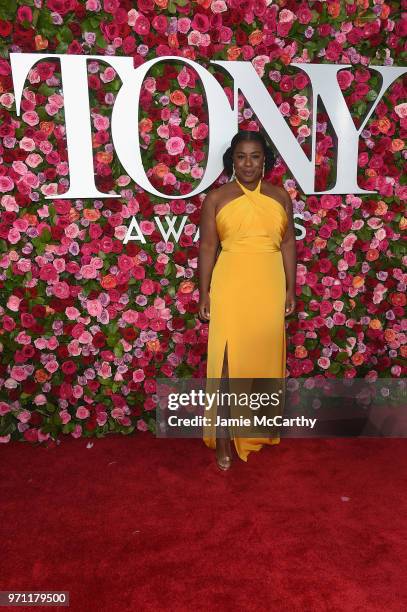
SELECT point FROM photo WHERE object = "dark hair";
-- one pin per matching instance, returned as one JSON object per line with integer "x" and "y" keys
{"x": 245, "y": 135}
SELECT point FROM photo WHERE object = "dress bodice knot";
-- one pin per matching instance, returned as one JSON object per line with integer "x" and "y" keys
{"x": 251, "y": 223}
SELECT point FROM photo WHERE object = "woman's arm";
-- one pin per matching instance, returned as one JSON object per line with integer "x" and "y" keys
{"x": 289, "y": 253}
{"x": 208, "y": 245}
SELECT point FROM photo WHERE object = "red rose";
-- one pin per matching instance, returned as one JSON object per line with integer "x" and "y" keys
{"x": 304, "y": 14}
{"x": 31, "y": 435}
{"x": 146, "y": 5}
{"x": 5, "y": 28}
{"x": 5, "y": 68}
{"x": 200, "y": 22}
{"x": 333, "y": 51}
{"x": 61, "y": 6}
{"x": 99, "y": 340}
{"x": 129, "y": 334}
{"x": 68, "y": 367}
{"x": 324, "y": 29}
{"x": 300, "y": 81}
{"x": 27, "y": 320}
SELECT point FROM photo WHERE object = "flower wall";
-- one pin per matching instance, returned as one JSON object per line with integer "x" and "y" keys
{"x": 87, "y": 323}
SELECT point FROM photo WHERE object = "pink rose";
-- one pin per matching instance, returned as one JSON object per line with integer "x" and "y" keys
{"x": 345, "y": 78}
{"x": 27, "y": 144}
{"x": 175, "y": 145}
{"x": 324, "y": 362}
{"x": 65, "y": 416}
{"x": 160, "y": 23}
{"x": 77, "y": 432}
{"x": 101, "y": 418}
{"x": 13, "y": 236}
{"x": 142, "y": 425}
{"x": 82, "y": 412}
{"x": 24, "y": 13}
{"x": 183, "y": 78}
{"x": 31, "y": 117}
{"x": 329, "y": 201}
{"x": 8, "y": 323}
{"x": 147, "y": 286}
{"x": 20, "y": 167}
{"x": 105, "y": 370}
{"x": 286, "y": 16}
{"x": 401, "y": 110}
{"x": 88, "y": 271}
{"x": 130, "y": 316}
{"x": 4, "y": 408}
{"x": 24, "y": 416}
{"x": 218, "y": 6}
{"x": 94, "y": 307}
{"x": 61, "y": 290}
{"x": 18, "y": 373}
{"x": 51, "y": 366}
{"x": 93, "y": 5}
{"x": 304, "y": 15}
{"x": 284, "y": 109}
{"x": 142, "y": 25}
{"x": 100, "y": 122}
{"x": 138, "y": 375}
{"x": 107, "y": 77}
{"x": 183, "y": 25}
{"x": 194, "y": 38}
{"x": 200, "y": 131}
{"x": 7, "y": 100}
{"x": 6, "y": 184}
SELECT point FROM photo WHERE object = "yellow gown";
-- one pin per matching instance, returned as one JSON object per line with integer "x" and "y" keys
{"x": 247, "y": 299}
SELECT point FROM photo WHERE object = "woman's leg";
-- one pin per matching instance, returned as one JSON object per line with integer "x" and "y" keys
{"x": 223, "y": 446}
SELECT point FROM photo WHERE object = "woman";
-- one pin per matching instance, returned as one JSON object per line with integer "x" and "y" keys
{"x": 247, "y": 291}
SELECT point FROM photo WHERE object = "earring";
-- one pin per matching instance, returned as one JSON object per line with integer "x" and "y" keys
{"x": 233, "y": 174}
{"x": 264, "y": 167}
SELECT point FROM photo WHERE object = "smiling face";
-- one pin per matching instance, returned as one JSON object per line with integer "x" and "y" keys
{"x": 248, "y": 159}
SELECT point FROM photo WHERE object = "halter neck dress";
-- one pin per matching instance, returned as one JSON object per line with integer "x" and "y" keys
{"x": 247, "y": 300}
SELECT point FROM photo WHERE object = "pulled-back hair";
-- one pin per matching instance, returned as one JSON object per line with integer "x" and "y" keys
{"x": 244, "y": 136}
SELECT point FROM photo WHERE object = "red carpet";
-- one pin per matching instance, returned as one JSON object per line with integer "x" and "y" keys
{"x": 136, "y": 523}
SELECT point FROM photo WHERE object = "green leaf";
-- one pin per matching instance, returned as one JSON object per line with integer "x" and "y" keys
{"x": 334, "y": 368}
{"x": 65, "y": 34}
{"x": 171, "y": 8}
{"x": 100, "y": 40}
{"x": 371, "y": 95}
{"x": 44, "y": 23}
{"x": 7, "y": 9}
{"x": 45, "y": 235}
{"x": 118, "y": 349}
{"x": 62, "y": 47}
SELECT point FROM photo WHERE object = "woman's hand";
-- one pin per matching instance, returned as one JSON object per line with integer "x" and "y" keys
{"x": 290, "y": 303}
{"x": 204, "y": 307}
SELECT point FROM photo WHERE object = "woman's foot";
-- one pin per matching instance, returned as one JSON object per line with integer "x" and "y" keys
{"x": 223, "y": 453}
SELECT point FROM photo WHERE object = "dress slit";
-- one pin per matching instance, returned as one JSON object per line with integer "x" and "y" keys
{"x": 225, "y": 354}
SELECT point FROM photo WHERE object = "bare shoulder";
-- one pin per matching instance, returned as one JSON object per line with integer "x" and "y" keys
{"x": 224, "y": 191}
{"x": 216, "y": 198}
{"x": 278, "y": 193}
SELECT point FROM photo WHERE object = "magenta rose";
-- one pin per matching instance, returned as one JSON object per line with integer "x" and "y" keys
{"x": 345, "y": 78}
